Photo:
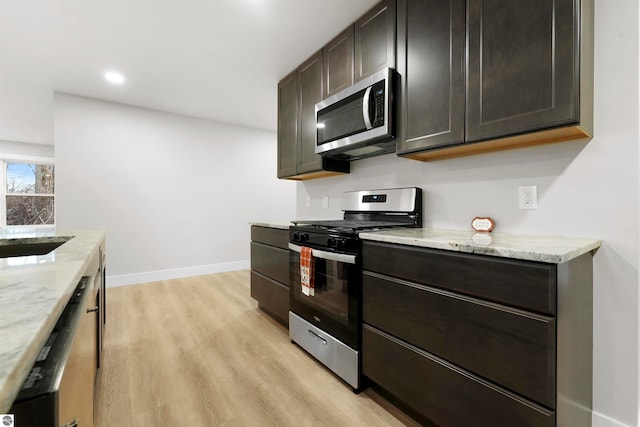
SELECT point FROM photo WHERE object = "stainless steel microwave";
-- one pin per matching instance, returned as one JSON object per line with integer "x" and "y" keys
{"x": 358, "y": 121}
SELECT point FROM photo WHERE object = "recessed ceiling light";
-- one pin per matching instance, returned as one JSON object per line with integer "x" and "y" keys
{"x": 114, "y": 77}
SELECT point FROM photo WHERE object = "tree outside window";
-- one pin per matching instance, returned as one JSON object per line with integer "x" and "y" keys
{"x": 29, "y": 194}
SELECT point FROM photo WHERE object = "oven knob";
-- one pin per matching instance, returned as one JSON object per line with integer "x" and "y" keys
{"x": 296, "y": 236}
{"x": 304, "y": 237}
{"x": 331, "y": 242}
{"x": 341, "y": 243}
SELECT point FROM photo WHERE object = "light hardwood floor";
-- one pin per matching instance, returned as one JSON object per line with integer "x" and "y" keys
{"x": 198, "y": 352}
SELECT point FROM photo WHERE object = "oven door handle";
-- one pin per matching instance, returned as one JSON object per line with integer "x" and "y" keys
{"x": 331, "y": 256}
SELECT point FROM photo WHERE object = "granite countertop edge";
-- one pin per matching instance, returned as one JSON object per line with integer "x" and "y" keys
{"x": 278, "y": 225}
{"x": 34, "y": 291}
{"x": 548, "y": 249}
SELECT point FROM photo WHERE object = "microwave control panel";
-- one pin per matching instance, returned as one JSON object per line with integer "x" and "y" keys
{"x": 378, "y": 100}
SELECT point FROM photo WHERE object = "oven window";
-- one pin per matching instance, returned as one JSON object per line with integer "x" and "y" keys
{"x": 331, "y": 288}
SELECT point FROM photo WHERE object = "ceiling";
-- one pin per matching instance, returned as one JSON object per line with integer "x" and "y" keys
{"x": 211, "y": 59}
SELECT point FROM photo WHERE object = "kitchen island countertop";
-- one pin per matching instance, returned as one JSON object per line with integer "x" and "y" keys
{"x": 549, "y": 249}
{"x": 33, "y": 292}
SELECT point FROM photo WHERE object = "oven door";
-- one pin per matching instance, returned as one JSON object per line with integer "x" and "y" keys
{"x": 334, "y": 307}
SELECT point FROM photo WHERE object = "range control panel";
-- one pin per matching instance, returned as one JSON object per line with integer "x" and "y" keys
{"x": 374, "y": 198}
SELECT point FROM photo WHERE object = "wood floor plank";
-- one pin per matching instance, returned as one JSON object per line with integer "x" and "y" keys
{"x": 198, "y": 352}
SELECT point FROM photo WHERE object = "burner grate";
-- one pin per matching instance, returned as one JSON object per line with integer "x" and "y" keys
{"x": 345, "y": 224}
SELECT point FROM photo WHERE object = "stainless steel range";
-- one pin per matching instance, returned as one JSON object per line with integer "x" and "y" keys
{"x": 325, "y": 298}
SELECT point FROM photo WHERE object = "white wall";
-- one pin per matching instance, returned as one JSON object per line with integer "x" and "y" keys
{"x": 12, "y": 150}
{"x": 177, "y": 194}
{"x": 585, "y": 189}
{"x": 26, "y": 103}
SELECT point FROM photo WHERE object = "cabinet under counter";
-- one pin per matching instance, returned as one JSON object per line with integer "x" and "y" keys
{"x": 270, "y": 270}
{"x": 490, "y": 334}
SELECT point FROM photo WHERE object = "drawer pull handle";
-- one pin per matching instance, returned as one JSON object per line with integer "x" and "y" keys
{"x": 73, "y": 423}
{"x": 93, "y": 309}
{"x": 322, "y": 340}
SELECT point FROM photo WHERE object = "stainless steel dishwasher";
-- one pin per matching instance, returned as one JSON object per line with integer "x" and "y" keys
{"x": 41, "y": 397}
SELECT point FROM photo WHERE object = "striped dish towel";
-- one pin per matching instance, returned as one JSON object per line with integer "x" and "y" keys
{"x": 306, "y": 270}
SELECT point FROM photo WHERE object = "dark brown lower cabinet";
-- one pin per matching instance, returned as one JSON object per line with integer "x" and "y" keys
{"x": 445, "y": 342}
{"x": 270, "y": 271}
{"x": 510, "y": 347}
{"x": 441, "y": 392}
{"x": 272, "y": 296}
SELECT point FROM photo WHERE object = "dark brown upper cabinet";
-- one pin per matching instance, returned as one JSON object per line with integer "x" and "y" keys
{"x": 288, "y": 125}
{"x": 310, "y": 83}
{"x": 365, "y": 47}
{"x": 529, "y": 75}
{"x": 298, "y": 94}
{"x": 523, "y": 66}
{"x": 338, "y": 63}
{"x": 375, "y": 40}
{"x": 360, "y": 50}
{"x": 431, "y": 49}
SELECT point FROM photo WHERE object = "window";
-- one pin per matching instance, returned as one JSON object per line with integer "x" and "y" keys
{"x": 28, "y": 194}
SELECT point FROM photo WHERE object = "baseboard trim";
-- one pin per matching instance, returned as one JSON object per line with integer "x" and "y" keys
{"x": 600, "y": 420}
{"x": 175, "y": 273}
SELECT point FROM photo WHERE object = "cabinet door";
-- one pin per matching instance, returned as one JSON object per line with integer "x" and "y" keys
{"x": 513, "y": 348}
{"x": 272, "y": 296}
{"x": 523, "y": 67}
{"x": 441, "y": 393}
{"x": 375, "y": 40}
{"x": 98, "y": 285}
{"x": 76, "y": 390}
{"x": 310, "y": 90}
{"x": 270, "y": 236}
{"x": 271, "y": 261}
{"x": 338, "y": 63}
{"x": 525, "y": 285}
{"x": 287, "y": 125}
{"x": 431, "y": 37}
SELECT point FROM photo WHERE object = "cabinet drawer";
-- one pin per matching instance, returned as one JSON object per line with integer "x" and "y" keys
{"x": 271, "y": 261}
{"x": 443, "y": 393}
{"x": 513, "y": 348}
{"x": 273, "y": 297}
{"x": 524, "y": 284}
{"x": 270, "y": 236}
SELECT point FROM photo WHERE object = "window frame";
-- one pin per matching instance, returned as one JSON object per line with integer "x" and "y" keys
{"x": 40, "y": 160}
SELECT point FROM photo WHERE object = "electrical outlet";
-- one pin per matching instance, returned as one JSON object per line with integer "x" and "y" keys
{"x": 308, "y": 202}
{"x": 528, "y": 197}
{"x": 325, "y": 202}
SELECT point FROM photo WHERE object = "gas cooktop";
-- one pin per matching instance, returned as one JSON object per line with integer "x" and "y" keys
{"x": 348, "y": 225}
{"x": 372, "y": 209}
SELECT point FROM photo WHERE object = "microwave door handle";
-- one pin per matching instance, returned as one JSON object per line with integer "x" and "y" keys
{"x": 365, "y": 108}
{"x": 331, "y": 256}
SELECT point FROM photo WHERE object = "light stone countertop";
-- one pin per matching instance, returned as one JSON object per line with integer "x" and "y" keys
{"x": 282, "y": 226}
{"x": 33, "y": 292}
{"x": 549, "y": 249}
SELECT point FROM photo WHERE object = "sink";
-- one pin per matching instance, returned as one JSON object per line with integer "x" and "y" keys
{"x": 30, "y": 245}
